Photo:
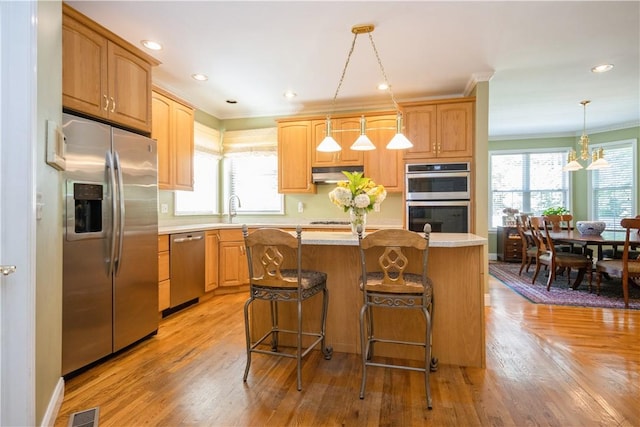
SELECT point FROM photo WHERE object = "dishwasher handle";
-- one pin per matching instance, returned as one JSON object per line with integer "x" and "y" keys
{"x": 186, "y": 239}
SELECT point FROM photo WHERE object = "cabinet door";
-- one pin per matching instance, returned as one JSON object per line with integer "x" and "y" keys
{"x": 420, "y": 129}
{"x": 129, "y": 88}
{"x": 294, "y": 157}
{"x": 346, "y": 132}
{"x": 84, "y": 69}
{"x": 211, "y": 261}
{"x": 455, "y": 130}
{"x": 233, "y": 264}
{"x": 183, "y": 146}
{"x": 161, "y": 107}
{"x": 382, "y": 165}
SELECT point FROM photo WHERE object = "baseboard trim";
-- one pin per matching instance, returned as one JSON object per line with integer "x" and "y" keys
{"x": 55, "y": 403}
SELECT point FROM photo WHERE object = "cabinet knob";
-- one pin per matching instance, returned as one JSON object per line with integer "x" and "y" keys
{"x": 113, "y": 105}
{"x": 106, "y": 103}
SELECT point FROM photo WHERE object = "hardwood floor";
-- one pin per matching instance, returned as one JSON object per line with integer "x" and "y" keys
{"x": 546, "y": 365}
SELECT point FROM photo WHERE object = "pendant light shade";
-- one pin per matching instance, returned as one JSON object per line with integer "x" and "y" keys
{"x": 328, "y": 144}
{"x": 399, "y": 141}
{"x": 363, "y": 143}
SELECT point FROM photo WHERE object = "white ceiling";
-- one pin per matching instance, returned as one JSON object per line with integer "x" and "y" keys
{"x": 538, "y": 53}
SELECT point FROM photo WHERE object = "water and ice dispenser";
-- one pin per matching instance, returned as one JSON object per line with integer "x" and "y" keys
{"x": 85, "y": 203}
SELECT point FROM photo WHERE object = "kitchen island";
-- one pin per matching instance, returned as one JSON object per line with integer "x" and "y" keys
{"x": 457, "y": 268}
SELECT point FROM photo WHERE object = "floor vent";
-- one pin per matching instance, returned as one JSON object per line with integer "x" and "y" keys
{"x": 88, "y": 418}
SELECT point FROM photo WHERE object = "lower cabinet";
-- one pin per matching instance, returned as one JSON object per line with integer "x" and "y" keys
{"x": 164, "y": 273}
{"x": 509, "y": 244}
{"x": 232, "y": 265}
{"x": 211, "y": 260}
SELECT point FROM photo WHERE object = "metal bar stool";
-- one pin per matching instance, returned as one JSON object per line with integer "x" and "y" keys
{"x": 393, "y": 283}
{"x": 269, "y": 250}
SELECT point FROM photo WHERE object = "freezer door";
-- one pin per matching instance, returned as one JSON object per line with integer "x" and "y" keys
{"x": 135, "y": 310}
{"x": 87, "y": 285}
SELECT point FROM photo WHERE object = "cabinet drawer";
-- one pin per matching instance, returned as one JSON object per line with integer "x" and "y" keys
{"x": 163, "y": 243}
{"x": 164, "y": 294}
{"x": 163, "y": 266}
{"x": 233, "y": 235}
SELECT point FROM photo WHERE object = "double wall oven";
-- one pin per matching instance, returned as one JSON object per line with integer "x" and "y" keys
{"x": 438, "y": 194}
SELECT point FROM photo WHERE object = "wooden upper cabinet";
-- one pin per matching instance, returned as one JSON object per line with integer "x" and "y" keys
{"x": 294, "y": 157}
{"x": 455, "y": 129}
{"x": 384, "y": 166}
{"x": 420, "y": 128}
{"x": 346, "y": 131}
{"x": 129, "y": 88}
{"x": 173, "y": 123}
{"x": 103, "y": 75}
{"x": 440, "y": 130}
{"x": 84, "y": 70}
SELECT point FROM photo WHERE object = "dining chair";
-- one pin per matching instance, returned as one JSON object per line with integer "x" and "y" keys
{"x": 276, "y": 275}
{"x": 394, "y": 276}
{"x": 559, "y": 223}
{"x": 627, "y": 267}
{"x": 529, "y": 248}
{"x": 549, "y": 256}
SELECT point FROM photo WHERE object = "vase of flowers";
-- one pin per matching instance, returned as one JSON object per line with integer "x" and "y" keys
{"x": 357, "y": 195}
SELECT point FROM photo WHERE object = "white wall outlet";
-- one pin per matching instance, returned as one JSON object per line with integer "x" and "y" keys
{"x": 164, "y": 208}
{"x": 300, "y": 207}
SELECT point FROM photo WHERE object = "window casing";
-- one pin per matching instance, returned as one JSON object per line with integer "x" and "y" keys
{"x": 529, "y": 181}
{"x": 613, "y": 191}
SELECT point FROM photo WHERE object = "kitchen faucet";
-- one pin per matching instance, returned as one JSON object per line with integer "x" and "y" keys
{"x": 231, "y": 211}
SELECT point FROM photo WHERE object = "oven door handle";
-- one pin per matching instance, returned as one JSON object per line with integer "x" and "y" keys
{"x": 412, "y": 175}
{"x": 424, "y": 203}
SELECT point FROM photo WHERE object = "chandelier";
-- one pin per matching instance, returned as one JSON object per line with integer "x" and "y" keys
{"x": 596, "y": 156}
{"x": 398, "y": 142}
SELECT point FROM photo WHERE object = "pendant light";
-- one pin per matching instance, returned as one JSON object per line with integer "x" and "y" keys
{"x": 398, "y": 142}
{"x": 597, "y": 155}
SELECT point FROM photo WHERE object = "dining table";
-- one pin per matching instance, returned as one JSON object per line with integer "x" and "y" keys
{"x": 606, "y": 238}
{"x": 612, "y": 238}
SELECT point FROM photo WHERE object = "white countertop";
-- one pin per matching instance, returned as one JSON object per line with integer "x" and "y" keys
{"x": 340, "y": 238}
{"x": 346, "y": 238}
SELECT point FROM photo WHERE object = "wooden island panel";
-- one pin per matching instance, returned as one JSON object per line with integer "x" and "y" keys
{"x": 458, "y": 315}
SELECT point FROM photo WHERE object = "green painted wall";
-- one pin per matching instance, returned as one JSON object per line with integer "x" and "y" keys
{"x": 579, "y": 206}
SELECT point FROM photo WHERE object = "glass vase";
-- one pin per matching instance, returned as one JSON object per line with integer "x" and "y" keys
{"x": 357, "y": 216}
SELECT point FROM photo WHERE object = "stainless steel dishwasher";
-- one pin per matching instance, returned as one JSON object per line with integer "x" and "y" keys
{"x": 187, "y": 267}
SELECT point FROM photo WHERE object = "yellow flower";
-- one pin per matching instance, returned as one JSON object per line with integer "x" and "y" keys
{"x": 357, "y": 192}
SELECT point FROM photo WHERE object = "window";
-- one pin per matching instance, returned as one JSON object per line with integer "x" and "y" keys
{"x": 528, "y": 181}
{"x": 612, "y": 191}
{"x": 251, "y": 166}
{"x": 203, "y": 200}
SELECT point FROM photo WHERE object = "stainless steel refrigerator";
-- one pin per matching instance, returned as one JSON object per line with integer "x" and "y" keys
{"x": 110, "y": 249}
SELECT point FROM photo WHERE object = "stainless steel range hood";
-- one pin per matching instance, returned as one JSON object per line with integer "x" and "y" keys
{"x": 332, "y": 174}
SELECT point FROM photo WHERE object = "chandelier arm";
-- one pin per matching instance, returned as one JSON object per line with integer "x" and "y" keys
{"x": 344, "y": 71}
{"x": 384, "y": 75}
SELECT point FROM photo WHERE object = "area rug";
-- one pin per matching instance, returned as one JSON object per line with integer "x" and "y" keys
{"x": 561, "y": 293}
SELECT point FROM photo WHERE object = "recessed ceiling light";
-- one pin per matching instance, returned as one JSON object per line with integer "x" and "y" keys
{"x": 231, "y": 101}
{"x": 150, "y": 44}
{"x": 383, "y": 86}
{"x": 602, "y": 68}
{"x": 199, "y": 77}
{"x": 290, "y": 94}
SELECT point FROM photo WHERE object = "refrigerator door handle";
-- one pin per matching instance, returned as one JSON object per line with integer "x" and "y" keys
{"x": 118, "y": 171}
{"x": 114, "y": 207}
